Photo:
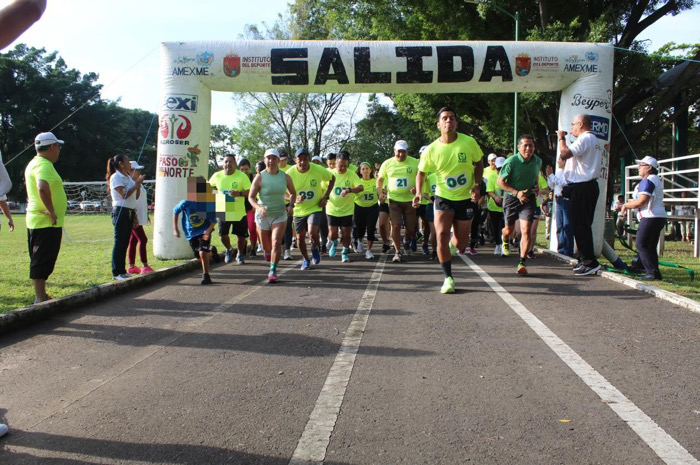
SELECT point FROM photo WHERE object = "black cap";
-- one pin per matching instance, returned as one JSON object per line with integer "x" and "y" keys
{"x": 300, "y": 151}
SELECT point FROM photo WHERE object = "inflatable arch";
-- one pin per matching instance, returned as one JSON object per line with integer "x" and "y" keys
{"x": 190, "y": 71}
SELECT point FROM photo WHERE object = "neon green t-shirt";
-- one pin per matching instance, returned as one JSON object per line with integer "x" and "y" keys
{"x": 233, "y": 207}
{"x": 42, "y": 169}
{"x": 542, "y": 185}
{"x": 342, "y": 206}
{"x": 310, "y": 186}
{"x": 453, "y": 165}
{"x": 368, "y": 196}
{"x": 399, "y": 178}
{"x": 492, "y": 186}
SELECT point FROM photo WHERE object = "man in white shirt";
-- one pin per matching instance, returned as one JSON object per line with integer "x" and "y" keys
{"x": 562, "y": 208}
{"x": 587, "y": 154}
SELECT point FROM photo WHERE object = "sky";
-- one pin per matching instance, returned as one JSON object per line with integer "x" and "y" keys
{"x": 120, "y": 40}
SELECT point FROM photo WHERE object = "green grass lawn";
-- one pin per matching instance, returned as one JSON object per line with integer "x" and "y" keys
{"x": 675, "y": 280}
{"x": 84, "y": 261}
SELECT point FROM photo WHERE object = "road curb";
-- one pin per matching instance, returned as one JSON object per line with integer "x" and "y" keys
{"x": 22, "y": 317}
{"x": 675, "y": 299}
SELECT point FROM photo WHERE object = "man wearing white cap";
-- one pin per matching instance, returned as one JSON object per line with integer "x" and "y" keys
{"x": 399, "y": 174}
{"x": 587, "y": 154}
{"x": 491, "y": 169}
{"x": 648, "y": 200}
{"x": 46, "y": 210}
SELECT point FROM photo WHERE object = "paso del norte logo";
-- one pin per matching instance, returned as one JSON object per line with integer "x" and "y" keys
{"x": 174, "y": 129}
{"x": 232, "y": 65}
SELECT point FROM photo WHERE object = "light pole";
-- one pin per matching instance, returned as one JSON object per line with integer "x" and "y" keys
{"x": 516, "y": 18}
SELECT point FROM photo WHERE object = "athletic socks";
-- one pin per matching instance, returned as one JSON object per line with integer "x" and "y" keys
{"x": 447, "y": 268}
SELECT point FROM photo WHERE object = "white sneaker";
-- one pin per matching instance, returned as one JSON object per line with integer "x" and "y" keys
{"x": 3, "y": 429}
{"x": 287, "y": 255}
{"x": 360, "y": 247}
{"x": 497, "y": 249}
{"x": 369, "y": 255}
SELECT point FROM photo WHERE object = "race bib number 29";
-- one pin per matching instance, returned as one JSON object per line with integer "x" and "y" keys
{"x": 456, "y": 181}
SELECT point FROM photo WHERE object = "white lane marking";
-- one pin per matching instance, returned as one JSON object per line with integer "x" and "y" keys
{"x": 667, "y": 448}
{"x": 68, "y": 399}
{"x": 313, "y": 443}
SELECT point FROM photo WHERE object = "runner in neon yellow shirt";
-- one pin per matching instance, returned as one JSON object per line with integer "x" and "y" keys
{"x": 457, "y": 162}
{"x": 398, "y": 175}
{"x": 232, "y": 187}
{"x": 309, "y": 180}
{"x": 495, "y": 205}
{"x": 366, "y": 211}
{"x": 341, "y": 206}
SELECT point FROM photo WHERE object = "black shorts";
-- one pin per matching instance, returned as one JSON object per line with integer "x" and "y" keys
{"x": 44, "y": 245}
{"x": 301, "y": 223}
{"x": 384, "y": 207}
{"x": 513, "y": 209}
{"x": 340, "y": 221}
{"x": 198, "y": 244}
{"x": 463, "y": 210}
{"x": 237, "y": 228}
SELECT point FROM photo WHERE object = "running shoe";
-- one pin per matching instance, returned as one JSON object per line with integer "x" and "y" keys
{"x": 369, "y": 255}
{"x": 134, "y": 270}
{"x": 294, "y": 243}
{"x": 228, "y": 256}
{"x": 385, "y": 247}
{"x": 505, "y": 248}
{"x": 413, "y": 245}
{"x": 578, "y": 266}
{"x": 305, "y": 264}
{"x": 586, "y": 270}
{"x": 252, "y": 254}
{"x": 497, "y": 250}
{"x": 531, "y": 255}
{"x": 147, "y": 270}
{"x": 397, "y": 258}
{"x": 328, "y": 243}
{"x": 332, "y": 249}
{"x": 121, "y": 277}
{"x": 206, "y": 279}
{"x": 521, "y": 269}
{"x": 433, "y": 256}
{"x": 345, "y": 258}
{"x": 46, "y": 298}
{"x": 472, "y": 251}
{"x": 448, "y": 287}
{"x": 287, "y": 255}
{"x": 260, "y": 249}
{"x": 426, "y": 249}
{"x": 407, "y": 248}
{"x": 240, "y": 260}
{"x": 453, "y": 249}
{"x": 315, "y": 256}
{"x": 272, "y": 277}
{"x": 3, "y": 429}
{"x": 360, "y": 246}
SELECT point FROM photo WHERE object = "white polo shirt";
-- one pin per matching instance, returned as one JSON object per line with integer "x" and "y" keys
{"x": 588, "y": 156}
{"x": 122, "y": 180}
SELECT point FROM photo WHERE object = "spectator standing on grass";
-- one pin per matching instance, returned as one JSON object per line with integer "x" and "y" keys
{"x": 138, "y": 235}
{"x": 648, "y": 200}
{"x": 124, "y": 191}
{"x": 46, "y": 210}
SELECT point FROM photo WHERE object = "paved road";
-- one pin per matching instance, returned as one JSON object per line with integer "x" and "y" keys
{"x": 359, "y": 363}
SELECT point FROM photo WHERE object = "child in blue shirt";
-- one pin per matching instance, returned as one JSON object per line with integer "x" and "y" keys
{"x": 198, "y": 221}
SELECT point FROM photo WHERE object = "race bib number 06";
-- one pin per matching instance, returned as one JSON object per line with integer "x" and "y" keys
{"x": 456, "y": 181}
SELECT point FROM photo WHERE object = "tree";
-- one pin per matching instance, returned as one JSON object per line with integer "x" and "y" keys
{"x": 38, "y": 92}
{"x": 639, "y": 103}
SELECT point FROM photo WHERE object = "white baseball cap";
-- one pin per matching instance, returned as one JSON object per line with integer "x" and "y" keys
{"x": 317, "y": 158}
{"x": 46, "y": 138}
{"x": 651, "y": 161}
{"x": 401, "y": 145}
{"x": 135, "y": 165}
{"x": 271, "y": 152}
{"x": 492, "y": 156}
{"x": 420, "y": 150}
{"x": 500, "y": 161}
